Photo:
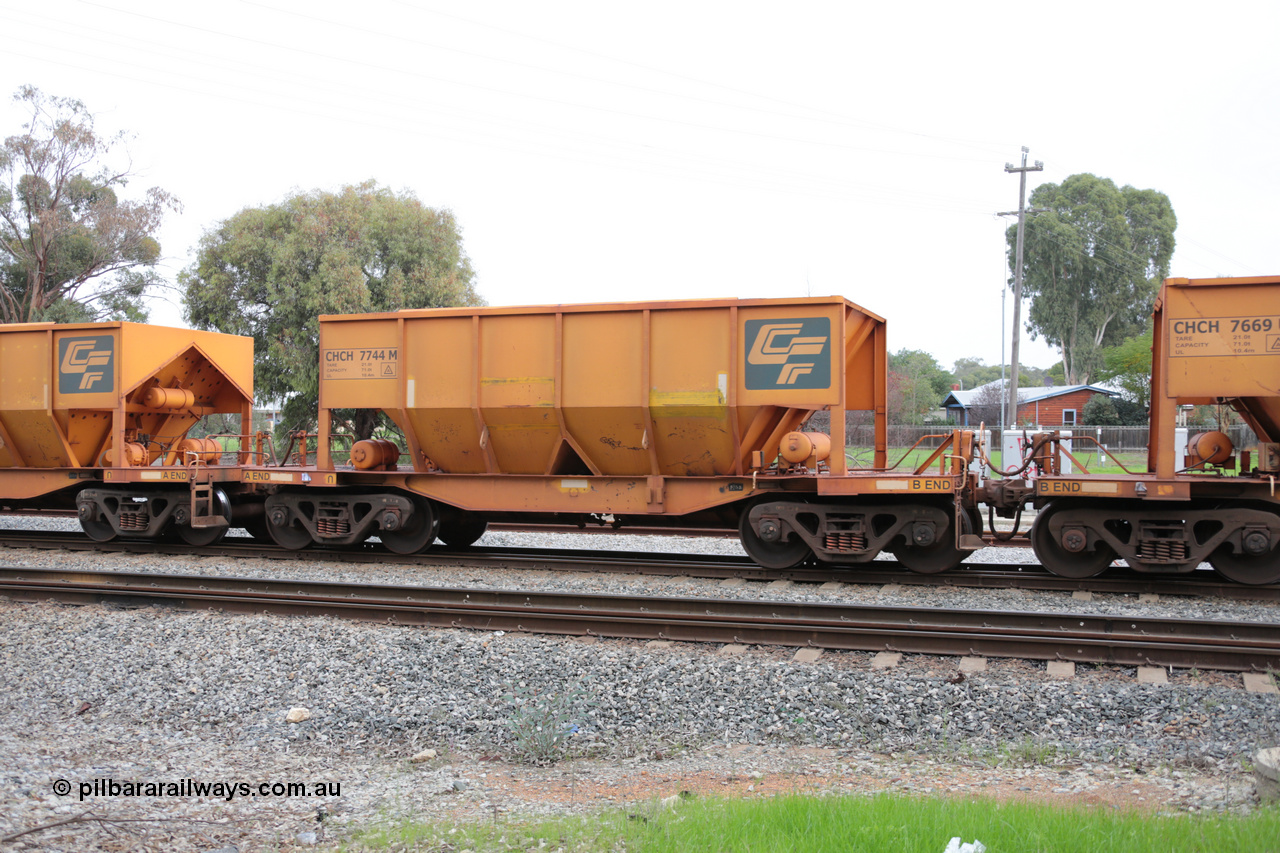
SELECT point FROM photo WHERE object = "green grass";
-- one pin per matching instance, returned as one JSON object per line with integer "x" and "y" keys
{"x": 849, "y": 825}
{"x": 1135, "y": 461}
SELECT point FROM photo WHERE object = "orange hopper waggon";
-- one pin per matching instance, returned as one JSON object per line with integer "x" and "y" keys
{"x": 727, "y": 414}
{"x": 661, "y": 413}
{"x": 95, "y": 417}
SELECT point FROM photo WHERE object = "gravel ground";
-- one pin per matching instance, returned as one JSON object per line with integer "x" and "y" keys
{"x": 150, "y": 695}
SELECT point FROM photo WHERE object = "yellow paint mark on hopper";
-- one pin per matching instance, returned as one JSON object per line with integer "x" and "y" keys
{"x": 516, "y": 380}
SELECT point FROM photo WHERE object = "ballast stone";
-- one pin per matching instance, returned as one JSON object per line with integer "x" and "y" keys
{"x": 1266, "y": 767}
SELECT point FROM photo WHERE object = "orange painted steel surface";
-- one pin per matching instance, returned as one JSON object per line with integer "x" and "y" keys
{"x": 629, "y": 390}
{"x": 801, "y": 447}
{"x": 1215, "y": 338}
{"x": 204, "y": 450}
{"x": 169, "y": 398}
{"x": 375, "y": 453}
{"x": 72, "y": 395}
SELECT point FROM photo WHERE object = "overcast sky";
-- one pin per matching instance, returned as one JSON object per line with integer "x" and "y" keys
{"x": 621, "y": 151}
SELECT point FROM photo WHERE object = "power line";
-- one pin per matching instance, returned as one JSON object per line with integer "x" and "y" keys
{"x": 741, "y": 174}
{"x": 990, "y": 146}
{"x": 418, "y": 75}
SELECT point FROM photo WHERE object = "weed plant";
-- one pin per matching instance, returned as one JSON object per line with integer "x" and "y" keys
{"x": 541, "y": 723}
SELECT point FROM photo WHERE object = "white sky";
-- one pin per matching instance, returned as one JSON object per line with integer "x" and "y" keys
{"x": 620, "y": 151}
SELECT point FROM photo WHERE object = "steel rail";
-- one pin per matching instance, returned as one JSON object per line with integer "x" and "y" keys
{"x": 1026, "y": 575}
{"x": 1085, "y": 638}
{"x": 1017, "y": 539}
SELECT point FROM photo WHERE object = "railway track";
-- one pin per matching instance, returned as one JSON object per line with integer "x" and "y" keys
{"x": 1026, "y": 575}
{"x": 1083, "y": 638}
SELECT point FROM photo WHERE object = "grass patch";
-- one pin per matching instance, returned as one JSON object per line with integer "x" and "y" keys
{"x": 1134, "y": 460}
{"x": 1029, "y": 752}
{"x": 849, "y": 825}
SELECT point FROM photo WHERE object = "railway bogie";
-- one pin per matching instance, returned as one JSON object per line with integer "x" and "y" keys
{"x": 1158, "y": 537}
{"x": 780, "y": 533}
{"x": 146, "y": 513}
{"x": 297, "y": 518}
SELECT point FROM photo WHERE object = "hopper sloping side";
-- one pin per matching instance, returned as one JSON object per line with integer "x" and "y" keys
{"x": 626, "y": 389}
{"x": 29, "y": 436}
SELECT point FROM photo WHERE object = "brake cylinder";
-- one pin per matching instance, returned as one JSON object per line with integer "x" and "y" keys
{"x": 1208, "y": 448}
{"x": 206, "y": 451}
{"x": 800, "y": 447}
{"x": 374, "y": 453}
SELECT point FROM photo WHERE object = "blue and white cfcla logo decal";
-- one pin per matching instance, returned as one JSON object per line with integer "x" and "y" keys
{"x": 788, "y": 353}
{"x": 85, "y": 365}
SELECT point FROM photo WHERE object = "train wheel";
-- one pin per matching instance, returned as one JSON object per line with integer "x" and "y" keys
{"x": 1062, "y": 562}
{"x": 415, "y": 536}
{"x": 460, "y": 531}
{"x": 941, "y": 556}
{"x": 1245, "y": 568}
{"x": 98, "y": 531}
{"x": 771, "y": 555}
{"x": 202, "y": 537}
{"x": 975, "y": 518}
{"x": 293, "y": 537}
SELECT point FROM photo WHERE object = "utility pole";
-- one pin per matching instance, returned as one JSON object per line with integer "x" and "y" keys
{"x": 1003, "y": 291}
{"x": 1011, "y": 416}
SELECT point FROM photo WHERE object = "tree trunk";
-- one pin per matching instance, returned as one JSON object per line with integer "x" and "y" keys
{"x": 363, "y": 423}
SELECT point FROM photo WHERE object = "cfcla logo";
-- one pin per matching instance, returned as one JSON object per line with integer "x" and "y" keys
{"x": 791, "y": 372}
{"x": 85, "y": 365}
{"x": 793, "y": 353}
{"x": 82, "y": 355}
{"x": 768, "y": 351}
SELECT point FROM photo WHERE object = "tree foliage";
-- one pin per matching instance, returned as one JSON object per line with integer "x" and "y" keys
{"x": 972, "y": 373}
{"x": 71, "y": 249}
{"x": 1128, "y": 367}
{"x": 1102, "y": 410}
{"x": 270, "y": 272}
{"x": 1099, "y": 411}
{"x": 1093, "y": 259}
{"x": 917, "y": 384}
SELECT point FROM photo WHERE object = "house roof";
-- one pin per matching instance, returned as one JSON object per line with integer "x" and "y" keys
{"x": 1031, "y": 394}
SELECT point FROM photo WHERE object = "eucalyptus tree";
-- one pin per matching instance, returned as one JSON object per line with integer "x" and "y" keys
{"x": 72, "y": 248}
{"x": 270, "y": 272}
{"x": 1093, "y": 260}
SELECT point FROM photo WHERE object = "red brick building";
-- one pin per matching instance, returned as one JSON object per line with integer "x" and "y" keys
{"x": 1046, "y": 406}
